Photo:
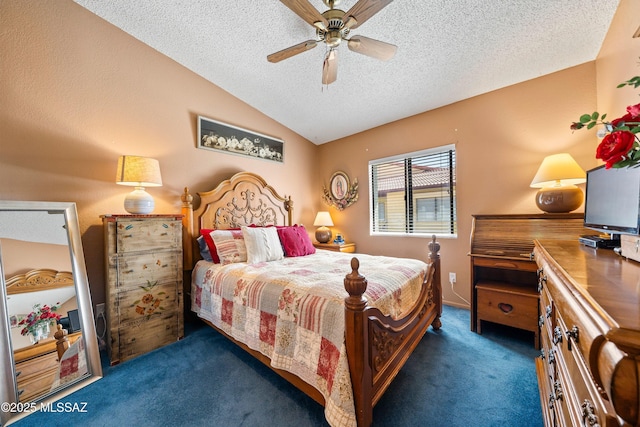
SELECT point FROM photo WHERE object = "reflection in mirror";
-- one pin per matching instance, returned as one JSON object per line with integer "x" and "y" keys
{"x": 49, "y": 348}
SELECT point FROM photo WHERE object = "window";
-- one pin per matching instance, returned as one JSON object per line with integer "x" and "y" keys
{"x": 414, "y": 193}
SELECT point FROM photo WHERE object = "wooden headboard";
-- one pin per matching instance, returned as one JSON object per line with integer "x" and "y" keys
{"x": 243, "y": 199}
{"x": 39, "y": 280}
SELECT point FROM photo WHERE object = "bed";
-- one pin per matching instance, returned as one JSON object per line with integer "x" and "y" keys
{"x": 339, "y": 337}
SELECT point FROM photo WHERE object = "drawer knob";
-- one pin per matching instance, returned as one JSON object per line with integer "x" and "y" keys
{"x": 549, "y": 310}
{"x": 542, "y": 280}
{"x": 557, "y": 335}
{"x": 542, "y": 354}
{"x": 589, "y": 418}
{"x": 557, "y": 388}
{"x": 573, "y": 333}
{"x": 552, "y": 357}
{"x": 551, "y": 401}
{"x": 540, "y": 321}
{"x": 505, "y": 308}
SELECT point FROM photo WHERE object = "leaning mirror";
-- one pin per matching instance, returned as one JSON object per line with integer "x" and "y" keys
{"x": 49, "y": 347}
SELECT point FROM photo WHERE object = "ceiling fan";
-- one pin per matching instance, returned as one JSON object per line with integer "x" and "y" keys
{"x": 332, "y": 27}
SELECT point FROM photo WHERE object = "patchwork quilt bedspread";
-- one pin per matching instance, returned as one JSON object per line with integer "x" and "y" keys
{"x": 292, "y": 311}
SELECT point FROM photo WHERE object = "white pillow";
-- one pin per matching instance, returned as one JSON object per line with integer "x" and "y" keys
{"x": 230, "y": 246}
{"x": 263, "y": 244}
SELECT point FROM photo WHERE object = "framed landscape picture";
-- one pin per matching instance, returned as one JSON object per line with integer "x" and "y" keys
{"x": 218, "y": 136}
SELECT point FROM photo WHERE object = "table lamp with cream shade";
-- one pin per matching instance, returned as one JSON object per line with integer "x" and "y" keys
{"x": 323, "y": 221}
{"x": 556, "y": 178}
{"x": 139, "y": 172}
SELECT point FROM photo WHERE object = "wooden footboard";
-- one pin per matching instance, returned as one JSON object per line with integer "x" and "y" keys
{"x": 377, "y": 345}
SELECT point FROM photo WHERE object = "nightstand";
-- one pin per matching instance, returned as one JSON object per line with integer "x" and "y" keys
{"x": 344, "y": 247}
{"x": 143, "y": 257}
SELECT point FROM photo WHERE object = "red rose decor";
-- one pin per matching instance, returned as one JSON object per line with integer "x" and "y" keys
{"x": 620, "y": 147}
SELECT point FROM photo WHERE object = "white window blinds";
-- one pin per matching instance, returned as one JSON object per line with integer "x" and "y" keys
{"x": 414, "y": 193}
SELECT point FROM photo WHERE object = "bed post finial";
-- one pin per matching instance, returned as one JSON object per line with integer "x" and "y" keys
{"x": 434, "y": 248}
{"x": 355, "y": 285}
{"x": 186, "y": 197}
{"x": 188, "y": 240}
{"x": 62, "y": 342}
{"x": 288, "y": 206}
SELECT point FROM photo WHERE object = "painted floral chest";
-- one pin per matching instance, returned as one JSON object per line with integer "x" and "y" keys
{"x": 143, "y": 261}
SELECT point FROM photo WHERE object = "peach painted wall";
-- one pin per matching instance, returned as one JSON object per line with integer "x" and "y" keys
{"x": 76, "y": 93}
{"x": 501, "y": 138}
{"x": 618, "y": 61}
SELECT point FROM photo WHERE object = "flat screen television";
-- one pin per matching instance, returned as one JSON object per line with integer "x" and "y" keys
{"x": 612, "y": 200}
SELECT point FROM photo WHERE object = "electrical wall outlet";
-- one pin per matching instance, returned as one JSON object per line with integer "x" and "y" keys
{"x": 452, "y": 278}
{"x": 100, "y": 310}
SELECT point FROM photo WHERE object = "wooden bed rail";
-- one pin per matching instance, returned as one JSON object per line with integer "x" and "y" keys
{"x": 377, "y": 345}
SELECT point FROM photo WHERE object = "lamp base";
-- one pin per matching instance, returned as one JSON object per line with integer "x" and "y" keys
{"x": 323, "y": 234}
{"x": 139, "y": 202}
{"x": 562, "y": 199}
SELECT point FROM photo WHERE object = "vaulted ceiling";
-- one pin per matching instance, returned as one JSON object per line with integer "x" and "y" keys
{"x": 448, "y": 50}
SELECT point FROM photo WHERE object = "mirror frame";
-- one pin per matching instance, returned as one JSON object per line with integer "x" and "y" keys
{"x": 8, "y": 383}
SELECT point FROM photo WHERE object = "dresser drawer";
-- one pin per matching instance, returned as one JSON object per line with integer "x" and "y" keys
{"x": 36, "y": 375}
{"x": 577, "y": 385}
{"x": 507, "y": 305}
{"x": 147, "y": 302}
{"x": 145, "y": 335}
{"x": 507, "y": 264}
{"x": 134, "y": 235}
{"x": 568, "y": 311}
{"x": 143, "y": 268}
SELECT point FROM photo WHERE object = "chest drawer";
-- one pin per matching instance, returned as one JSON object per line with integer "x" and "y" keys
{"x": 500, "y": 303}
{"x": 145, "y": 268}
{"x": 142, "y": 336}
{"x": 147, "y": 302}
{"x": 132, "y": 235}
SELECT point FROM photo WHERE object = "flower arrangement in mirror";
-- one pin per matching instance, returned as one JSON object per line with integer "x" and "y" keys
{"x": 620, "y": 147}
{"x": 37, "y": 323}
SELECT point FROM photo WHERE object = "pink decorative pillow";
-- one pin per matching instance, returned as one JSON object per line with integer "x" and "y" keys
{"x": 230, "y": 246}
{"x": 295, "y": 241}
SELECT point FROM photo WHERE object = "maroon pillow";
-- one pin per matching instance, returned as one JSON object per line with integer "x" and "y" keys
{"x": 205, "y": 233}
{"x": 295, "y": 241}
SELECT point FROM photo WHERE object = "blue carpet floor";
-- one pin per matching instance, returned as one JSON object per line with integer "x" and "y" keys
{"x": 454, "y": 378}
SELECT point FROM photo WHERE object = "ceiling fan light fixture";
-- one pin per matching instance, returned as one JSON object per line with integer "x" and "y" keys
{"x": 333, "y": 26}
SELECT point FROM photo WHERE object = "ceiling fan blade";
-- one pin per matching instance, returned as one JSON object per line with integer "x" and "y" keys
{"x": 291, "y": 51}
{"x": 370, "y": 47}
{"x": 330, "y": 68}
{"x": 306, "y": 11}
{"x": 362, "y": 11}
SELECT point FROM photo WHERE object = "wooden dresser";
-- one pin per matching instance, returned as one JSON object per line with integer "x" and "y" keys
{"x": 143, "y": 257}
{"x": 37, "y": 366}
{"x": 504, "y": 283}
{"x": 589, "y": 369}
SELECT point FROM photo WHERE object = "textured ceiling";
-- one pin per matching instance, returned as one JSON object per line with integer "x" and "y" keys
{"x": 448, "y": 50}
